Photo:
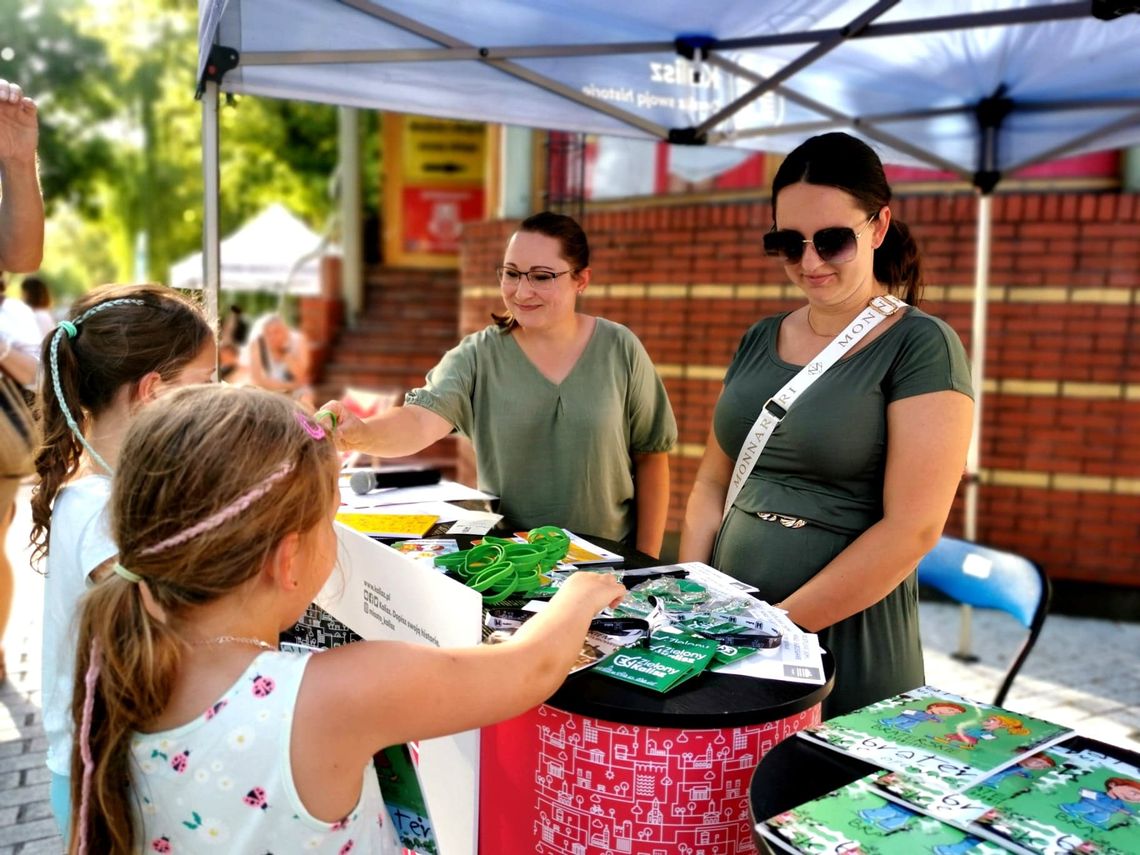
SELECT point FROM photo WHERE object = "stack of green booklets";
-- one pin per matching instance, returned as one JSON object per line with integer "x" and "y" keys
{"x": 963, "y": 778}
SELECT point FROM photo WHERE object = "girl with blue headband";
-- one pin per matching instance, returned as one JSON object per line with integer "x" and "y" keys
{"x": 122, "y": 347}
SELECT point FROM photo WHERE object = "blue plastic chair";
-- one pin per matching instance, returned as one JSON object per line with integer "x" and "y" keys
{"x": 989, "y": 578}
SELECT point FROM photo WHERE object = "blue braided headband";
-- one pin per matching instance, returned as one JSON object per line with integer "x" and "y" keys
{"x": 71, "y": 330}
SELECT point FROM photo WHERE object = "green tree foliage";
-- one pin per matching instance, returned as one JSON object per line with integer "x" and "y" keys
{"x": 69, "y": 74}
{"x": 121, "y": 138}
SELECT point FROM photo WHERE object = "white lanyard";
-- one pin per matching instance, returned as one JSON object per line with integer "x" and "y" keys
{"x": 776, "y": 407}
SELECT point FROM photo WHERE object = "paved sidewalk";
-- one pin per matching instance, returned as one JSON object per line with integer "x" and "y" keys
{"x": 1083, "y": 673}
{"x": 26, "y": 823}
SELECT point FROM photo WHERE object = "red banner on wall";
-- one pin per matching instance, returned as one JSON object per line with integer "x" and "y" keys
{"x": 434, "y": 217}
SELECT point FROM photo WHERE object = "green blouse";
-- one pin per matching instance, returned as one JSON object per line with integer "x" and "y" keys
{"x": 555, "y": 454}
{"x": 826, "y": 463}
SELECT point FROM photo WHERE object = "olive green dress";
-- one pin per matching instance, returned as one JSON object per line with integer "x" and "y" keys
{"x": 556, "y": 454}
{"x": 825, "y": 463}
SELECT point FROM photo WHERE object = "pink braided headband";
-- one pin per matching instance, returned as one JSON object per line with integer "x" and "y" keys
{"x": 227, "y": 513}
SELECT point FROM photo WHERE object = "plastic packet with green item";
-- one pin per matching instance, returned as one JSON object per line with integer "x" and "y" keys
{"x": 676, "y": 595}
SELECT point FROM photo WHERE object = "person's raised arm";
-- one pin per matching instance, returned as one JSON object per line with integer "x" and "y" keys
{"x": 651, "y": 492}
{"x": 396, "y": 432}
{"x": 704, "y": 509}
{"x": 927, "y": 440}
{"x": 21, "y": 205}
{"x": 385, "y": 693}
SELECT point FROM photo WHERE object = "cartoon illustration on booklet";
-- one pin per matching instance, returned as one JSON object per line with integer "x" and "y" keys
{"x": 403, "y": 797}
{"x": 1055, "y": 802}
{"x": 856, "y": 819}
{"x": 942, "y": 741}
{"x": 426, "y": 549}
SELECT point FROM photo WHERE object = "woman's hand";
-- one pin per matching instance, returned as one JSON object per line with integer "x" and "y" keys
{"x": 397, "y": 432}
{"x": 348, "y": 431}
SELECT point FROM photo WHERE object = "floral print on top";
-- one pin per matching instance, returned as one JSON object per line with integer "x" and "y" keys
{"x": 223, "y": 782}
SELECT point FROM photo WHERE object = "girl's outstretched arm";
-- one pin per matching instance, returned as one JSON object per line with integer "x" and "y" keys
{"x": 383, "y": 693}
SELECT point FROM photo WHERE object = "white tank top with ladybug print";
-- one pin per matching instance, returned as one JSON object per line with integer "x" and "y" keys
{"x": 223, "y": 782}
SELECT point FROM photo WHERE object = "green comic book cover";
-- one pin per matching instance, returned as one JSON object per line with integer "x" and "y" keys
{"x": 855, "y": 820}
{"x": 948, "y": 742}
{"x": 404, "y": 798}
{"x": 1055, "y": 802}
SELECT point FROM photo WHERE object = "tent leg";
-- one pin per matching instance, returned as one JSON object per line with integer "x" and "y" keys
{"x": 978, "y": 373}
{"x": 211, "y": 230}
{"x": 352, "y": 278}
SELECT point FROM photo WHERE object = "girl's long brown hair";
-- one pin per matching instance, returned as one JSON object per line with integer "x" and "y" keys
{"x": 187, "y": 457}
{"x": 112, "y": 348}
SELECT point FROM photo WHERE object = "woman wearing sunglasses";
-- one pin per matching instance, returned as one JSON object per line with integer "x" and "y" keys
{"x": 856, "y": 480}
{"x": 570, "y": 422}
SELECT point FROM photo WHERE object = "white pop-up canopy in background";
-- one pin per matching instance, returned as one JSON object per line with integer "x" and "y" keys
{"x": 272, "y": 249}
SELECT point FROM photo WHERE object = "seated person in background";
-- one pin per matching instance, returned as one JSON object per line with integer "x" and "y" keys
{"x": 235, "y": 329}
{"x": 570, "y": 422}
{"x": 34, "y": 292}
{"x": 277, "y": 359}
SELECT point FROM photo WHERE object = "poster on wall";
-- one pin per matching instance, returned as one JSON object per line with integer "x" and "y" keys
{"x": 434, "y": 172}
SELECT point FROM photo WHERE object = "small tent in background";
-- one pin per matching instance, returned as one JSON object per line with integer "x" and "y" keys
{"x": 272, "y": 250}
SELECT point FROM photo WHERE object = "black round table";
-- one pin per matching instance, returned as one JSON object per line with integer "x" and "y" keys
{"x": 607, "y": 766}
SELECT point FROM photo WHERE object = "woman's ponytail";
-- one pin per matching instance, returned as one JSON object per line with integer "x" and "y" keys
{"x": 897, "y": 263}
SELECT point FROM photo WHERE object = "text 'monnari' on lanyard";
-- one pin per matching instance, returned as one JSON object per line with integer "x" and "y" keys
{"x": 776, "y": 407}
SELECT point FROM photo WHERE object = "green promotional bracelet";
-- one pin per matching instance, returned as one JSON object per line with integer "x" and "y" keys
{"x": 499, "y": 568}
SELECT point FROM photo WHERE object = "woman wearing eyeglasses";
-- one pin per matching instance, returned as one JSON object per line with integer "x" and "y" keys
{"x": 856, "y": 481}
{"x": 570, "y": 422}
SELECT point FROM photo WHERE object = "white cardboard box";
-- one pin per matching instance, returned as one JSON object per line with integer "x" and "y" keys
{"x": 382, "y": 595}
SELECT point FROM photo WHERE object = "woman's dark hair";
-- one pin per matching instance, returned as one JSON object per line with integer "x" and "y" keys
{"x": 35, "y": 293}
{"x": 146, "y": 328}
{"x": 840, "y": 160}
{"x": 575, "y": 248}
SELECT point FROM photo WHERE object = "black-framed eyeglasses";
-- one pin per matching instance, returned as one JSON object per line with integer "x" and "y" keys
{"x": 834, "y": 245}
{"x": 536, "y": 278}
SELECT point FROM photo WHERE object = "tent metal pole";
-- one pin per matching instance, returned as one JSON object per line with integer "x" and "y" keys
{"x": 1095, "y": 134}
{"x": 858, "y": 24}
{"x": 835, "y": 117}
{"x": 421, "y": 29}
{"x": 211, "y": 189}
{"x": 351, "y": 278}
{"x": 914, "y": 26}
{"x": 978, "y": 375}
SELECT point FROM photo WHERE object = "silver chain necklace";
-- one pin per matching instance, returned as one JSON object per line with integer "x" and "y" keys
{"x": 234, "y": 639}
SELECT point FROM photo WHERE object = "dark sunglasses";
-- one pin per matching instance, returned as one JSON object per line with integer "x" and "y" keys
{"x": 834, "y": 245}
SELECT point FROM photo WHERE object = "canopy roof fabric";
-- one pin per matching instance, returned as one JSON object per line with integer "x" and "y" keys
{"x": 917, "y": 78}
{"x": 269, "y": 250}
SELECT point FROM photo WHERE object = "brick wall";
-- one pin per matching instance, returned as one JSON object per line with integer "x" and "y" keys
{"x": 1061, "y": 414}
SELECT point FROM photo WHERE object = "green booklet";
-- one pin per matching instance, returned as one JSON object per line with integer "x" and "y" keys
{"x": 671, "y": 658}
{"x": 857, "y": 819}
{"x": 1063, "y": 800}
{"x": 404, "y": 798}
{"x": 946, "y": 742}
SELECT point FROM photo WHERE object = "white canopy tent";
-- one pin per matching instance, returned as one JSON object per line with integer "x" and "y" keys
{"x": 980, "y": 89}
{"x": 977, "y": 88}
{"x": 274, "y": 252}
